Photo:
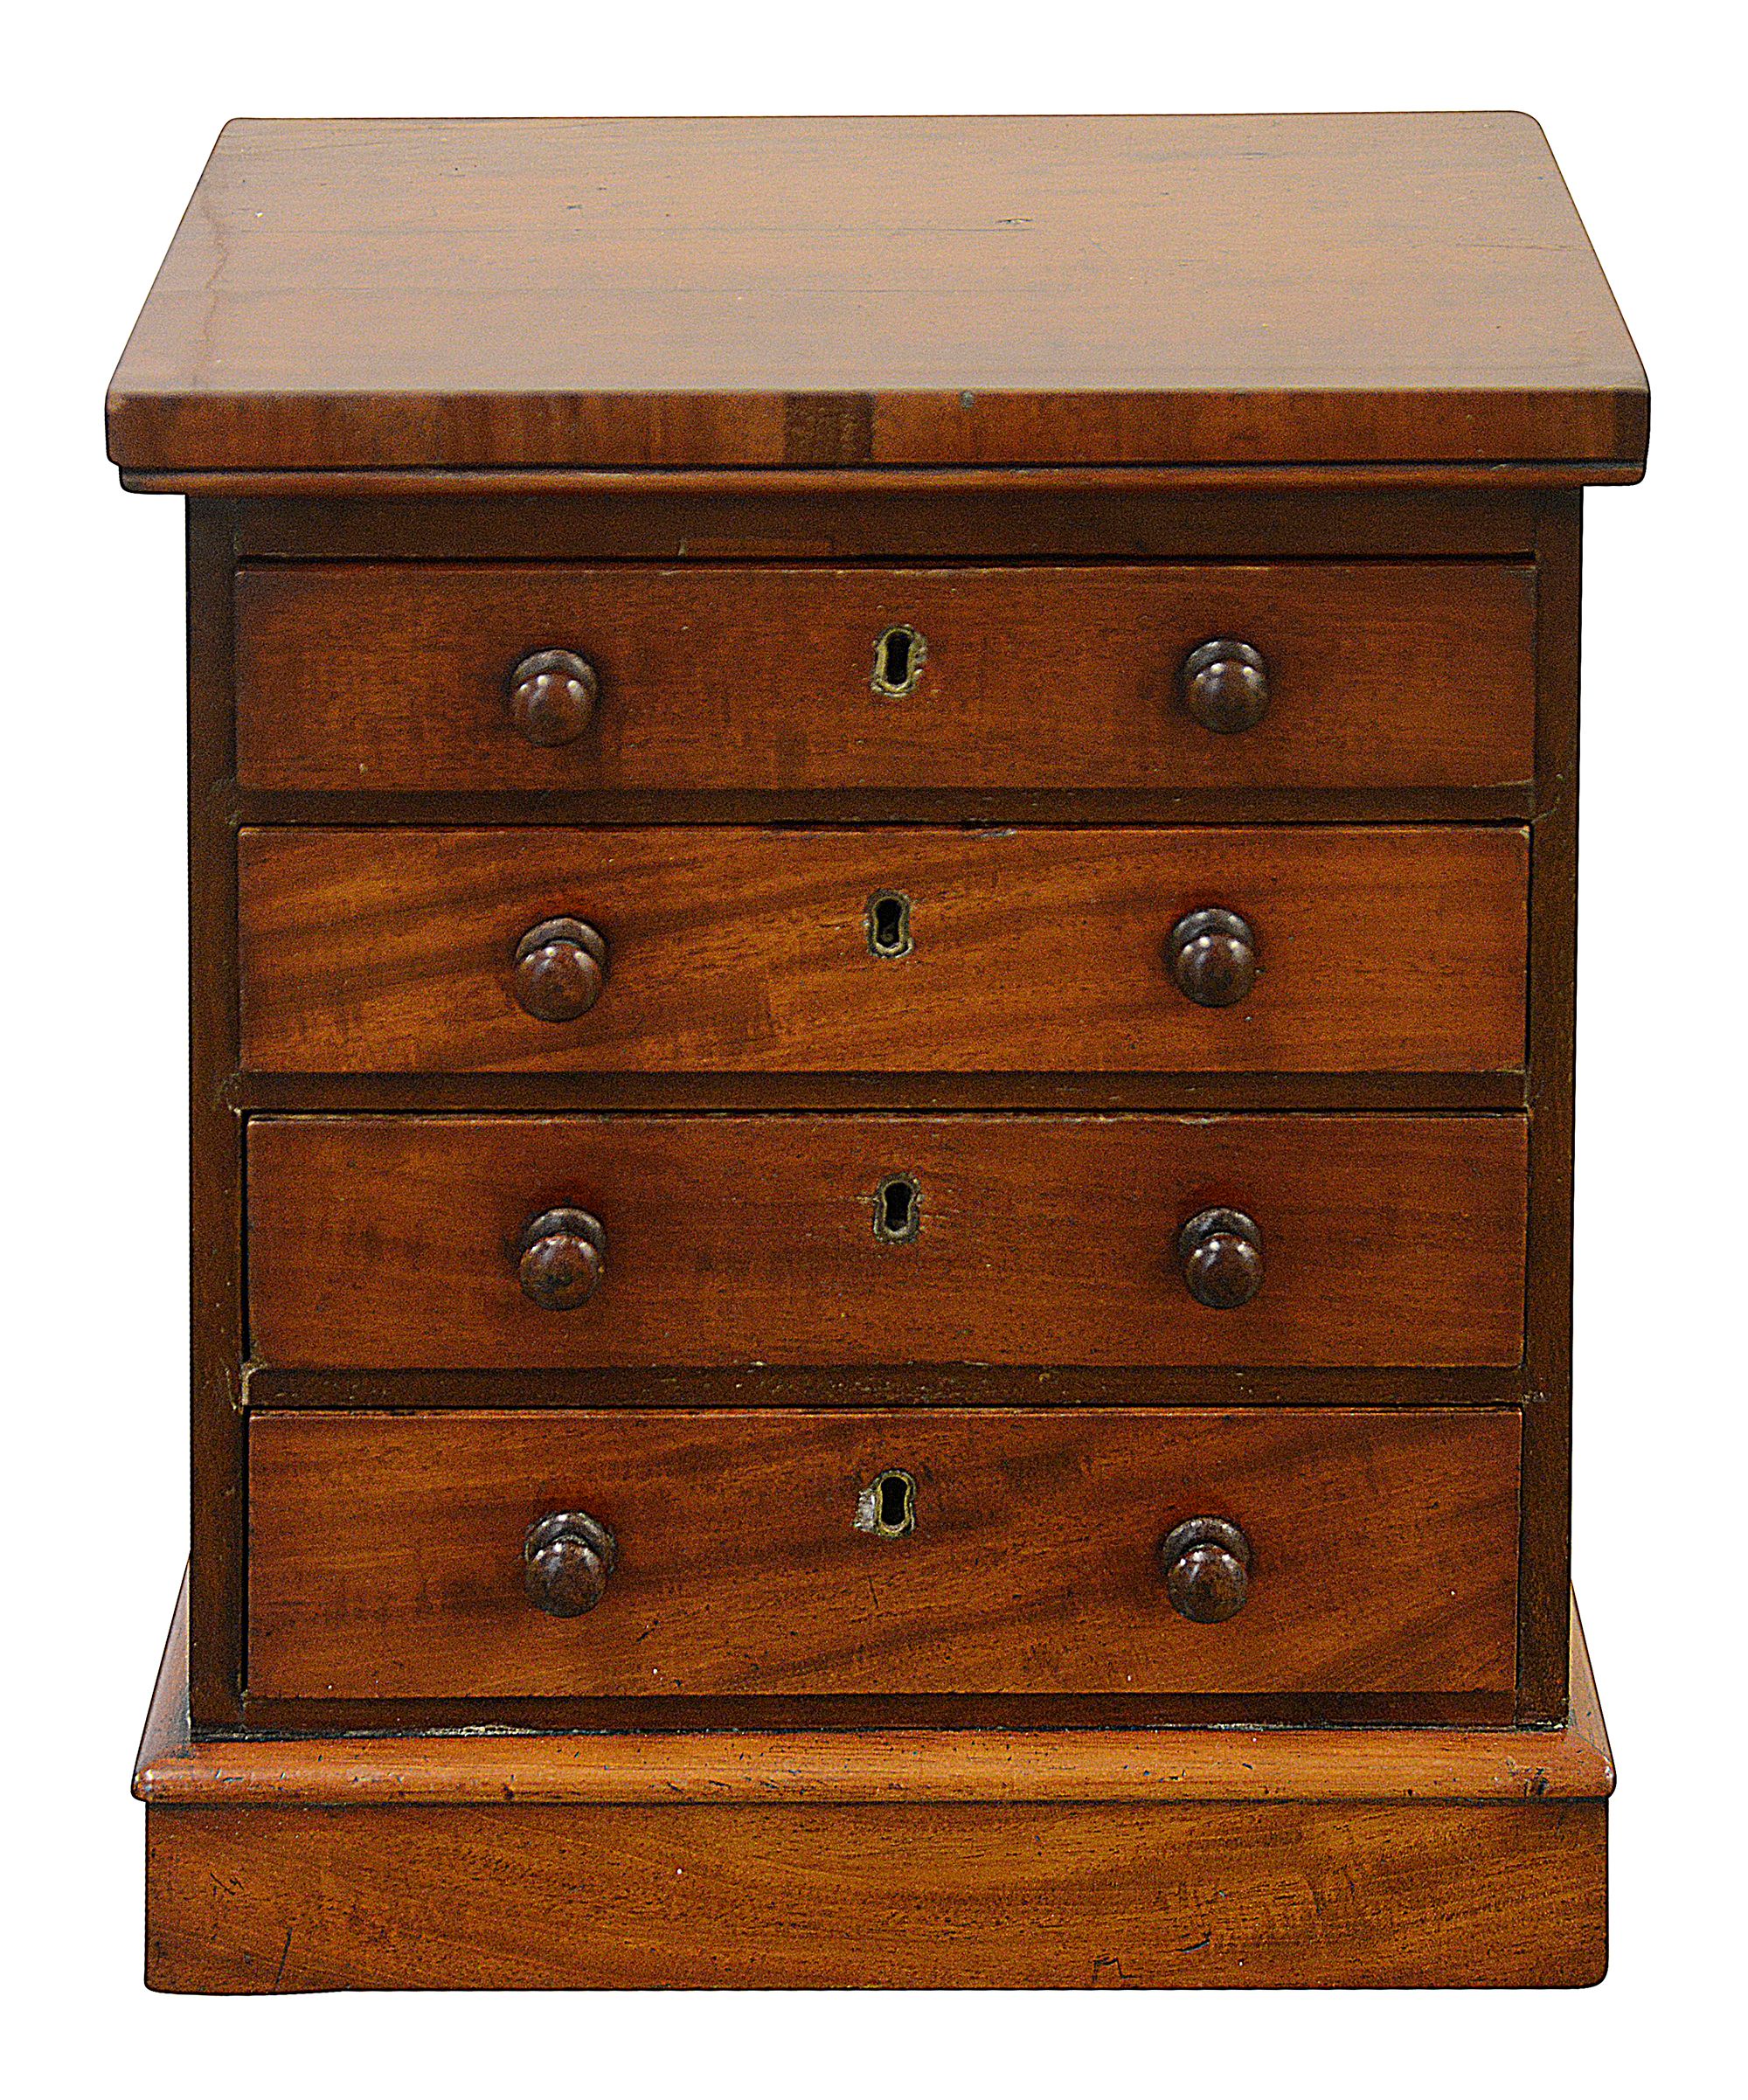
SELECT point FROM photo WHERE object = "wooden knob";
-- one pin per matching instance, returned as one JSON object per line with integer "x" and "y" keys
{"x": 552, "y": 695}
{"x": 562, "y": 1257}
{"x": 566, "y": 1561}
{"x": 1207, "y": 1566}
{"x": 560, "y": 967}
{"x": 1213, "y": 957}
{"x": 1222, "y": 1254}
{"x": 1225, "y": 686}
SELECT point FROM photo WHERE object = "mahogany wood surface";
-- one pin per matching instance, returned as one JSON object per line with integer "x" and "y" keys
{"x": 892, "y": 1385}
{"x": 743, "y": 950}
{"x": 1019, "y": 516}
{"x": 217, "y": 1316}
{"x": 1377, "y": 1855}
{"x": 434, "y": 293}
{"x": 969, "y": 1896}
{"x": 392, "y": 1241}
{"x": 844, "y": 515}
{"x": 386, "y": 1553}
{"x": 1062, "y": 1233}
{"x": 377, "y": 677}
{"x": 175, "y": 1770}
{"x": 1543, "y": 1591}
{"x": 266, "y": 488}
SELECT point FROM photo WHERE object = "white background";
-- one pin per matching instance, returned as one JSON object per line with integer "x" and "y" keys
{"x": 108, "y": 122}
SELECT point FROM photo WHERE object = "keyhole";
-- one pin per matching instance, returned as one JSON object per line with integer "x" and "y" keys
{"x": 889, "y": 923}
{"x": 899, "y": 656}
{"x": 887, "y": 1507}
{"x": 897, "y": 1210}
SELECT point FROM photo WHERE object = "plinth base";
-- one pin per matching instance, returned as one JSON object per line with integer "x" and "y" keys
{"x": 925, "y": 1859}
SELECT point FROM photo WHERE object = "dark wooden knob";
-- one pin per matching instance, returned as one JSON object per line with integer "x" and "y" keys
{"x": 563, "y": 1258}
{"x": 552, "y": 695}
{"x": 560, "y": 967}
{"x": 1222, "y": 1254}
{"x": 1207, "y": 1566}
{"x": 566, "y": 1561}
{"x": 1225, "y": 686}
{"x": 1213, "y": 957}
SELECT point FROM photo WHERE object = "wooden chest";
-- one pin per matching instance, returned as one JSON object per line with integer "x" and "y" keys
{"x": 883, "y": 858}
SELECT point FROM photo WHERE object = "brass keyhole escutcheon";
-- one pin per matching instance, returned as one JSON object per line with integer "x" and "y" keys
{"x": 899, "y": 656}
{"x": 887, "y": 1507}
{"x": 888, "y": 923}
{"x": 897, "y": 1210}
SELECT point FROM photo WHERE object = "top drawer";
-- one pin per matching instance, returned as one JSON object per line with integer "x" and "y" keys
{"x": 398, "y": 677}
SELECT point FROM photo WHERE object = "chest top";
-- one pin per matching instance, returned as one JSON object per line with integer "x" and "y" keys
{"x": 1378, "y": 292}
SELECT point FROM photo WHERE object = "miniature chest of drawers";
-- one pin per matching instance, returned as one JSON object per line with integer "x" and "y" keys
{"x": 884, "y": 859}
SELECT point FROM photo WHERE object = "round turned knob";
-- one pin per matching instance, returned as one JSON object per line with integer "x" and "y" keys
{"x": 566, "y": 1561}
{"x": 1222, "y": 1254}
{"x": 1207, "y": 1565}
{"x": 552, "y": 694}
{"x": 563, "y": 1256}
{"x": 1225, "y": 686}
{"x": 560, "y": 967}
{"x": 1213, "y": 957}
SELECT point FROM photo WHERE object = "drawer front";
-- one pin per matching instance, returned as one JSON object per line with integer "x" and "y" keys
{"x": 397, "y": 677}
{"x": 406, "y": 1242}
{"x": 388, "y": 1553}
{"x": 890, "y": 950}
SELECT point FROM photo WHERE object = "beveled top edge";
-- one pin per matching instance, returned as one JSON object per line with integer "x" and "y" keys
{"x": 978, "y": 292}
{"x": 345, "y": 484}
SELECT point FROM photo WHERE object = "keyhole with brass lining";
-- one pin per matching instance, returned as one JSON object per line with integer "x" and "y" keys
{"x": 888, "y": 924}
{"x": 897, "y": 1210}
{"x": 887, "y": 1507}
{"x": 899, "y": 656}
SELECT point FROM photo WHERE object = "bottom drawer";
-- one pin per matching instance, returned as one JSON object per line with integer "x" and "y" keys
{"x": 1344, "y": 1551}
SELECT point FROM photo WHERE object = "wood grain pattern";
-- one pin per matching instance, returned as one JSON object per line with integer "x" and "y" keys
{"x": 950, "y": 394}
{"x": 1397, "y": 1855}
{"x": 930, "y": 516}
{"x": 967, "y": 1897}
{"x": 218, "y": 1310}
{"x": 749, "y": 951}
{"x": 1546, "y": 1559}
{"x": 391, "y": 676}
{"x": 830, "y": 292}
{"x": 798, "y": 516}
{"x": 1572, "y": 1761}
{"x": 386, "y": 1553}
{"x": 391, "y": 1241}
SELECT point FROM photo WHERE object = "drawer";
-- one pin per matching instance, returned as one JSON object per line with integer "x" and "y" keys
{"x": 397, "y": 676}
{"x": 885, "y": 950}
{"x": 388, "y": 1242}
{"x": 857, "y": 1552}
